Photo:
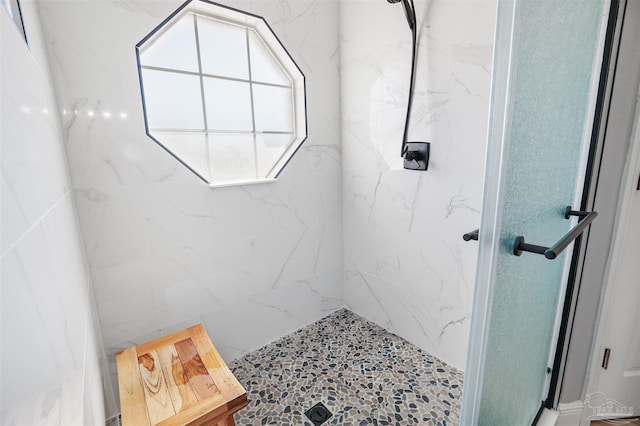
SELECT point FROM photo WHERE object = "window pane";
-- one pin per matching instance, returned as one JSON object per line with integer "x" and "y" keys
{"x": 223, "y": 49}
{"x": 273, "y": 108}
{"x": 173, "y": 101}
{"x": 175, "y": 48}
{"x": 264, "y": 67}
{"x": 270, "y": 150}
{"x": 228, "y": 104}
{"x": 218, "y": 91}
{"x": 189, "y": 147}
{"x": 232, "y": 156}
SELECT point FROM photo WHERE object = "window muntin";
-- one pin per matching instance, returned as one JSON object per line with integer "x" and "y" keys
{"x": 221, "y": 94}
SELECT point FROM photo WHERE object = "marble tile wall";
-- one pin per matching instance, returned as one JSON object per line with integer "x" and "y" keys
{"x": 256, "y": 262}
{"x": 165, "y": 251}
{"x": 49, "y": 347}
{"x": 406, "y": 265}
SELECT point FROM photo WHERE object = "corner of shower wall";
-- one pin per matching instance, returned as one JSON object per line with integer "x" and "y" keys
{"x": 406, "y": 265}
{"x": 50, "y": 364}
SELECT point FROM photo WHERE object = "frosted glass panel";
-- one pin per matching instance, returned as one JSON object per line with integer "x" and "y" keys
{"x": 228, "y": 104}
{"x": 190, "y": 147}
{"x": 555, "y": 52}
{"x": 223, "y": 49}
{"x": 273, "y": 108}
{"x": 233, "y": 157}
{"x": 264, "y": 67}
{"x": 175, "y": 49}
{"x": 270, "y": 150}
{"x": 173, "y": 101}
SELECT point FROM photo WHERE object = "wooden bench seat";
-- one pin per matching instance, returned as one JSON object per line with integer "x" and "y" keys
{"x": 179, "y": 379}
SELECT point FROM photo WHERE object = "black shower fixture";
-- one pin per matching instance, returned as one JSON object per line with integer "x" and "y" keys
{"x": 409, "y": 11}
{"x": 415, "y": 154}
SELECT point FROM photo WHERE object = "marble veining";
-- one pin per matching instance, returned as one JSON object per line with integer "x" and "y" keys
{"x": 342, "y": 225}
{"x": 166, "y": 251}
{"x": 50, "y": 351}
{"x": 406, "y": 265}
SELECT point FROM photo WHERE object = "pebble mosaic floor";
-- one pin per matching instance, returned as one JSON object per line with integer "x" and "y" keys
{"x": 363, "y": 374}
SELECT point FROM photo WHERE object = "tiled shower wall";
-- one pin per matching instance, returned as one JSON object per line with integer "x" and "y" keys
{"x": 252, "y": 262}
{"x": 256, "y": 262}
{"x": 406, "y": 265}
{"x": 49, "y": 351}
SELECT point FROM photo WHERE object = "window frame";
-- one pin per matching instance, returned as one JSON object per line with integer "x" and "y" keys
{"x": 250, "y": 22}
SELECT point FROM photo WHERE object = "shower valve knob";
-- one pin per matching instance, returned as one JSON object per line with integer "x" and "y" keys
{"x": 416, "y": 155}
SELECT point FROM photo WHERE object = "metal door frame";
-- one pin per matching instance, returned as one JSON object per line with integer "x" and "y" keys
{"x": 576, "y": 269}
{"x": 490, "y": 224}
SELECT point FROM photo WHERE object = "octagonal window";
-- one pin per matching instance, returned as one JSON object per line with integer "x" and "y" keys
{"x": 221, "y": 94}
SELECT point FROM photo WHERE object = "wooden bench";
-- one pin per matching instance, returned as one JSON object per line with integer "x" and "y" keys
{"x": 179, "y": 379}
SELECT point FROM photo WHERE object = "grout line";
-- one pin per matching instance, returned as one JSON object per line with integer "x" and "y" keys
{"x": 36, "y": 224}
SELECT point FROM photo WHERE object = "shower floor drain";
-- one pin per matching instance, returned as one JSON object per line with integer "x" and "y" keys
{"x": 318, "y": 414}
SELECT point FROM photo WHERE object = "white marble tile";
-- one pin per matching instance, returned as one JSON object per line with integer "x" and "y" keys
{"x": 49, "y": 373}
{"x": 55, "y": 406}
{"x": 35, "y": 37}
{"x": 113, "y": 225}
{"x": 186, "y": 217}
{"x": 407, "y": 266}
{"x": 121, "y": 152}
{"x": 83, "y": 51}
{"x": 164, "y": 249}
{"x": 305, "y": 255}
{"x": 32, "y": 163}
{"x": 245, "y": 324}
{"x": 100, "y": 395}
{"x": 45, "y": 291}
{"x": 263, "y": 318}
{"x": 330, "y": 288}
{"x": 19, "y": 306}
{"x": 396, "y": 308}
{"x": 134, "y": 299}
{"x": 96, "y": 394}
{"x": 430, "y": 313}
{"x": 155, "y": 293}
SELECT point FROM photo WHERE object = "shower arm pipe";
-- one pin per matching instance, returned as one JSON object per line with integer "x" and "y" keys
{"x": 410, "y": 13}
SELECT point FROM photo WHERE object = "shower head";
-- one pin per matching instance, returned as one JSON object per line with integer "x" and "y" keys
{"x": 409, "y": 11}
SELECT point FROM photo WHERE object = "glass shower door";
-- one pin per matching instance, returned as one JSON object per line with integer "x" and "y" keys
{"x": 546, "y": 72}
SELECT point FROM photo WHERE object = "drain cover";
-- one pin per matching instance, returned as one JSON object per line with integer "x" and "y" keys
{"x": 318, "y": 414}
